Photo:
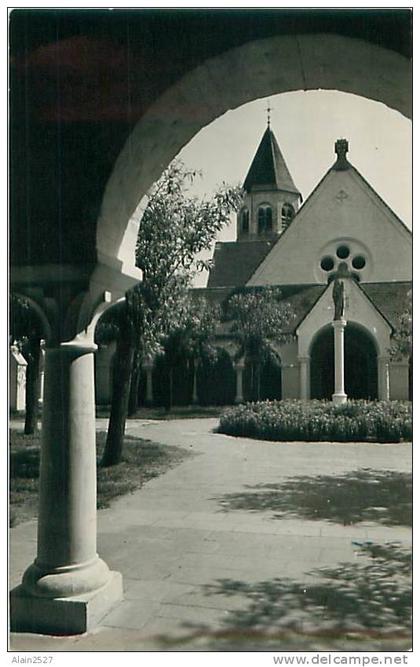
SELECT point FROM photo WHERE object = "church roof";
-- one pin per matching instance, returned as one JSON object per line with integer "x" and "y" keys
{"x": 234, "y": 262}
{"x": 269, "y": 168}
{"x": 391, "y": 299}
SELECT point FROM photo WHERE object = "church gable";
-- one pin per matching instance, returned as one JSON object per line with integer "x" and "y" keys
{"x": 358, "y": 309}
{"x": 343, "y": 220}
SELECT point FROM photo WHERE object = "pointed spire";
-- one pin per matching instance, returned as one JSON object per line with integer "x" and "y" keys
{"x": 269, "y": 167}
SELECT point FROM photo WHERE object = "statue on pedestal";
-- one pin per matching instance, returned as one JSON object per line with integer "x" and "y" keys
{"x": 338, "y": 297}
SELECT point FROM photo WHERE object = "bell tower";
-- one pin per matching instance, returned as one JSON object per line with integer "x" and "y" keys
{"x": 271, "y": 198}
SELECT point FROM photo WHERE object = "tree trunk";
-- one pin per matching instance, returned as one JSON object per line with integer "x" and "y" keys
{"x": 119, "y": 405}
{"x": 133, "y": 401}
{"x": 32, "y": 356}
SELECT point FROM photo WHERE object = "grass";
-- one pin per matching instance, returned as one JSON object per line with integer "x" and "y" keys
{"x": 142, "y": 460}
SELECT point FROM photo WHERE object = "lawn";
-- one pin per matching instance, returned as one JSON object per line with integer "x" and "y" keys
{"x": 142, "y": 460}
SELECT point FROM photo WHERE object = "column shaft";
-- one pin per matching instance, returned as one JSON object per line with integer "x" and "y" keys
{"x": 239, "y": 368}
{"x": 339, "y": 395}
{"x": 66, "y": 564}
{"x": 194, "y": 391}
{"x": 304, "y": 367}
{"x": 149, "y": 384}
{"x": 383, "y": 378}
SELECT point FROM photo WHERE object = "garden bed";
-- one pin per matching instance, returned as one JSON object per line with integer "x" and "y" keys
{"x": 290, "y": 420}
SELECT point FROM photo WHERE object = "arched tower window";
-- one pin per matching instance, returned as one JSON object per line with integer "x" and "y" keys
{"x": 265, "y": 219}
{"x": 245, "y": 221}
{"x": 287, "y": 215}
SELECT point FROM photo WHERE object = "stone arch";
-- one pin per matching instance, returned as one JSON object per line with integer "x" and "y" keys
{"x": 360, "y": 362}
{"x": 216, "y": 379}
{"x": 40, "y": 314}
{"x": 264, "y": 383}
{"x": 256, "y": 69}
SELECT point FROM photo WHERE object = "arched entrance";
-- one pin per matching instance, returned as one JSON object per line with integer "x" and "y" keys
{"x": 264, "y": 383}
{"x": 360, "y": 364}
{"x": 216, "y": 380}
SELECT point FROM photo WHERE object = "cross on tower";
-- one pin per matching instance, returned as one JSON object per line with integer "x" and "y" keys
{"x": 268, "y": 113}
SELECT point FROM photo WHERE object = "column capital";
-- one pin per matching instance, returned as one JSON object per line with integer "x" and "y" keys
{"x": 240, "y": 364}
{"x": 77, "y": 347}
{"x": 339, "y": 324}
{"x": 304, "y": 357}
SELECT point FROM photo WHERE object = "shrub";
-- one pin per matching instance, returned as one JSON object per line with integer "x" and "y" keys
{"x": 372, "y": 421}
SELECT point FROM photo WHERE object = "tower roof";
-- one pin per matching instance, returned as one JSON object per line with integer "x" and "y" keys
{"x": 269, "y": 168}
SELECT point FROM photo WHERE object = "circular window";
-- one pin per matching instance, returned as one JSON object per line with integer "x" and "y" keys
{"x": 327, "y": 263}
{"x": 343, "y": 251}
{"x": 359, "y": 262}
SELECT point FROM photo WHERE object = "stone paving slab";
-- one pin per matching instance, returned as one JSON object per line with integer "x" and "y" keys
{"x": 173, "y": 541}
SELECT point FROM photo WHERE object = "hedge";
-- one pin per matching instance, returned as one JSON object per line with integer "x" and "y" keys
{"x": 356, "y": 420}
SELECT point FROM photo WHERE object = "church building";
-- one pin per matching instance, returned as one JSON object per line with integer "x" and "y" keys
{"x": 343, "y": 233}
{"x": 343, "y": 230}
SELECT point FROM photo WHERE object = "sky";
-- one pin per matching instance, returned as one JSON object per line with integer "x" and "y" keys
{"x": 306, "y": 125}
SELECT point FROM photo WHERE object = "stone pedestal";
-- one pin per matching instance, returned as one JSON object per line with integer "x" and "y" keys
{"x": 304, "y": 371}
{"x": 239, "y": 369}
{"x": 17, "y": 380}
{"x": 339, "y": 395}
{"x": 68, "y": 587}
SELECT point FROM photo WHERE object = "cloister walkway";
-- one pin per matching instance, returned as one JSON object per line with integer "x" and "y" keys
{"x": 209, "y": 551}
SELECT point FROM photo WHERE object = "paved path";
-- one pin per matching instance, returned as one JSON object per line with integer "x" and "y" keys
{"x": 179, "y": 535}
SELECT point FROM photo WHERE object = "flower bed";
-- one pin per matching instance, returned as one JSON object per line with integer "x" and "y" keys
{"x": 360, "y": 421}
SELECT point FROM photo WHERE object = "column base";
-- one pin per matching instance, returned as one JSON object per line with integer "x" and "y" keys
{"x": 63, "y": 616}
{"x": 339, "y": 399}
{"x": 239, "y": 400}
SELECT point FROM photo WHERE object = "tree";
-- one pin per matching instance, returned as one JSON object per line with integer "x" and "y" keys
{"x": 258, "y": 318}
{"x": 175, "y": 228}
{"x": 402, "y": 337}
{"x": 26, "y": 332}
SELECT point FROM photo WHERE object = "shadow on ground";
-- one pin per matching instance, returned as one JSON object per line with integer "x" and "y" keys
{"x": 352, "y": 606}
{"x": 361, "y": 495}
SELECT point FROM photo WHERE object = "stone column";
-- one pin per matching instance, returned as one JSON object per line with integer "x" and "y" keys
{"x": 41, "y": 373}
{"x": 339, "y": 395}
{"x": 304, "y": 373}
{"x": 383, "y": 378}
{"x": 148, "y": 367}
{"x": 17, "y": 380}
{"x": 194, "y": 391}
{"x": 68, "y": 588}
{"x": 239, "y": 368}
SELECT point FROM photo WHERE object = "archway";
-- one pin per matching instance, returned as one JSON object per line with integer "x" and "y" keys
{"x": 263, "y": 383}
{"x": 360, "y": 363}
{"x": 257, "y": 69}
{"x": 296, "y": 60}
{"x": 216, "y": 380}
